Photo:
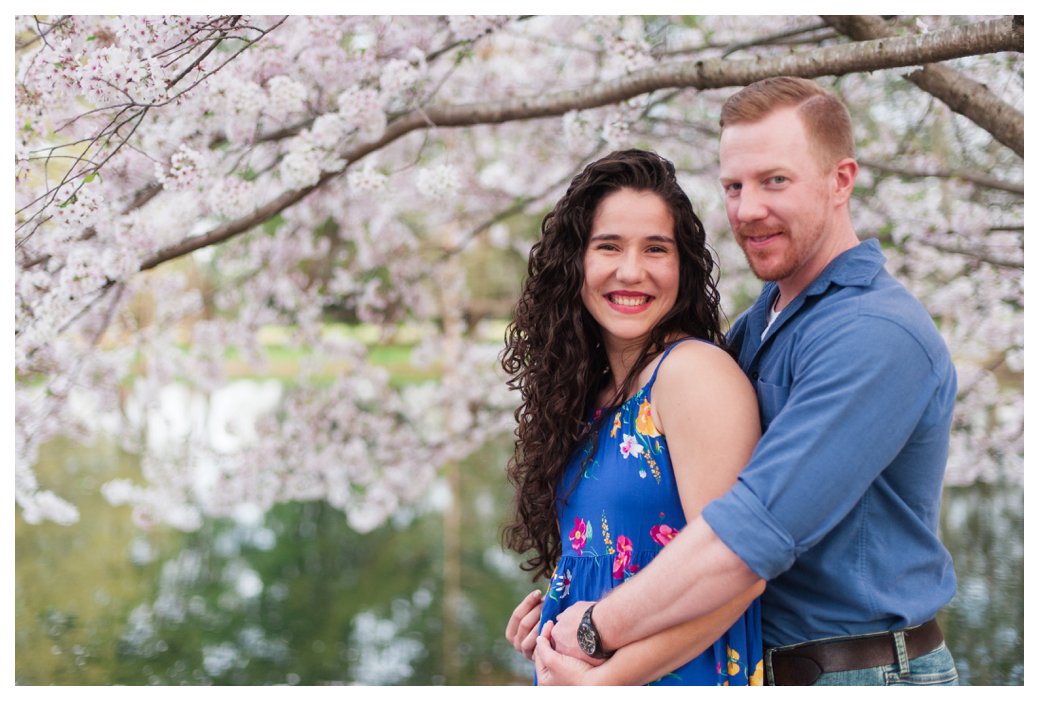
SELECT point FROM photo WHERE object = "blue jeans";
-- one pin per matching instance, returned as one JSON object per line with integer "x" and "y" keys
{"x": 936, "y": 668}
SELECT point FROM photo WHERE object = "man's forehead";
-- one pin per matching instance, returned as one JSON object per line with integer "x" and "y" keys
{"x": 771, "y": 143}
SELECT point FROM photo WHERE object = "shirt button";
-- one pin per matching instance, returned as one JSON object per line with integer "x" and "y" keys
{"x": 754, "y": 375}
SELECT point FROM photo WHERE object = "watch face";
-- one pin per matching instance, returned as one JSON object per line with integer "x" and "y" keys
{"x": 586, "y": 639}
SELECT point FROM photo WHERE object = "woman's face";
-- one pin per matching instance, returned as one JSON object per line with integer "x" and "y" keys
{"x": 630, "y": 266}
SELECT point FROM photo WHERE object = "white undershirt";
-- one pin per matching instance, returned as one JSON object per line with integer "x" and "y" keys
{"x": 772, "y": 315}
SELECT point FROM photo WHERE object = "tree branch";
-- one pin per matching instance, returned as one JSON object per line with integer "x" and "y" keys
{"x": 210, "y": 49}
{"x": 983, "y": 37}
{"x": 962, "y": 94}
{"x": 981, "y": 179}
{"x": 976, "y": 255}
{"x": 783, "y": 36}
{"x": 956, "y": 42}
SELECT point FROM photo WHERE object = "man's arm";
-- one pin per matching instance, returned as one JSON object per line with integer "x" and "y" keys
{"x": 694, "y": 576}
{"x": 861, "y": 387}
{"x": 706, "y": 408}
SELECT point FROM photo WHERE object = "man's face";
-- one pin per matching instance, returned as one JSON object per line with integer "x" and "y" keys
{"x": 778, "y": 197}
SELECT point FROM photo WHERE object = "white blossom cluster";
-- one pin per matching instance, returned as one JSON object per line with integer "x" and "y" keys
{"x": 366, "y": 180}
{"x": 362, "y": 109}
{"x": 113, "y": 75}
{"x": 470, "y": 27}
{"x": 78, "y": 208}
{"x": 438, "y": 182}
{"x": 187, "y": 170}
{"x": 231, "y": 197}
{"x": 286, "y": 98}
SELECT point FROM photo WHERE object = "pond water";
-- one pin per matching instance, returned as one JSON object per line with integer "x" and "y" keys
{"x": 296, "y": 597}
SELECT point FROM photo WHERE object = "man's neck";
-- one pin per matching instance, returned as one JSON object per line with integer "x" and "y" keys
{"x": 794, "y": 284}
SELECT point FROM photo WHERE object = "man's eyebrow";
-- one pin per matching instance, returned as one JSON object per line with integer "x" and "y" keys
{"x": 761, "y": 174}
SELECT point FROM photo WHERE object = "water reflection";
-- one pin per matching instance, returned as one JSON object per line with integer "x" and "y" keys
{"x": 296, "y": 597}
{"x": 983, "y": 527}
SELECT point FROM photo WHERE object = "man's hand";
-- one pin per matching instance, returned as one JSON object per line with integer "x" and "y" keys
{"x": 522, "y": 629}
{"x": 554, "y": 669}
{"x": 564, "y": 634}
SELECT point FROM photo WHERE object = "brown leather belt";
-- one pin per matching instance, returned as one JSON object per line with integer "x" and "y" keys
{"x": 801, "y": 665}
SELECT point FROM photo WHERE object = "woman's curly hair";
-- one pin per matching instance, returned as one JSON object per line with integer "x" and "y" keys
{"x": 553, "y": 348}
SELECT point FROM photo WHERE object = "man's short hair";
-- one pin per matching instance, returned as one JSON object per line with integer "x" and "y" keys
{"x": 825, "y": 118}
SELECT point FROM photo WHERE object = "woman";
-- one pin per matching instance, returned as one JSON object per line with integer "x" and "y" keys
{"x": 632, "y": 418}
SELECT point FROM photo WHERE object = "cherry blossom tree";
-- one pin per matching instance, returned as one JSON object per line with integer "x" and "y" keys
{"x": 184, "y": 183}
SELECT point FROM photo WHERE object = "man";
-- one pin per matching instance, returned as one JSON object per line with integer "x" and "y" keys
{"x": 838, "y": 508}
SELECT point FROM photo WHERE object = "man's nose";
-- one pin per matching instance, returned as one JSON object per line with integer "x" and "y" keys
{"x": 751, "y": 206}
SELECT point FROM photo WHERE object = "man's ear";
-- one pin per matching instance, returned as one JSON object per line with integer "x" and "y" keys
{"x": 844, "y": 179}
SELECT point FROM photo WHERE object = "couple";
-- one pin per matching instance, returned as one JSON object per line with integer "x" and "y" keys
{"x": 805, "y": 450}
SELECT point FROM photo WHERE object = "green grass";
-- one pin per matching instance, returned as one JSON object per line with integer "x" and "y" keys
{"x": 284, "y": 359}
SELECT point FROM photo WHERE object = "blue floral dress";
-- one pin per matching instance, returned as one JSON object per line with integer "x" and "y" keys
{"x": 623, "y": 510}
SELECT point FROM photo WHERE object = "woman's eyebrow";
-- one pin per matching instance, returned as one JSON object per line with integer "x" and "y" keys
{"x": 652, "y": 237}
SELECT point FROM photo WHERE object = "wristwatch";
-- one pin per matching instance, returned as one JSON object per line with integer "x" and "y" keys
{"x": 588, "y": 637}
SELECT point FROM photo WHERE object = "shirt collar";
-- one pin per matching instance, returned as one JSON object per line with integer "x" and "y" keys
{"x": 856, "y": 267}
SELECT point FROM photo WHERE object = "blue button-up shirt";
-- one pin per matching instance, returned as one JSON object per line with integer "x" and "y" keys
{"x": 838, "y": 507}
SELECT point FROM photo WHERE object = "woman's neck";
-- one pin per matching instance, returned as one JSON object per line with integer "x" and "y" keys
{"x": 621, "y": 361}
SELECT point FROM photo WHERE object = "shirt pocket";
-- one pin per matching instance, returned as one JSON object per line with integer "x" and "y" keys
{"x": 771, "y": 400}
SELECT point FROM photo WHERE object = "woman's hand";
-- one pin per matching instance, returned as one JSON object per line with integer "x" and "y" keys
{"x": 522, "y": 628}
{"x": 555, "y": 669}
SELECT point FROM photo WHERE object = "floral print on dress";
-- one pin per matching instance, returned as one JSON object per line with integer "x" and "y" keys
{"x": 644, "y": 423}
{"x": 734, "y": 661}
{"x": 622, "y": 565}
{"x": 758, "y": 678}
{"x": 662, "y": 533}
{"x": 643, "y": 444}
{"x": 630, "y": 447}
{"x": 579, "y": 535}
{"x": 560, "y": 588}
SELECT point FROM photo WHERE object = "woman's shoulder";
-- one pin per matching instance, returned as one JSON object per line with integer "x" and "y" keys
{"x": 696, "y": 365}
{"x": 696, "y": 352}
{"x": 702, "y": 380}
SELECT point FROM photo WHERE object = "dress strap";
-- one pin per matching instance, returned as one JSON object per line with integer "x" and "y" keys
{"x": 663, "y": 356}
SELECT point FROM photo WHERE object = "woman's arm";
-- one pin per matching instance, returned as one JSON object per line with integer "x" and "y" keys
{"x": 705, "y": 406}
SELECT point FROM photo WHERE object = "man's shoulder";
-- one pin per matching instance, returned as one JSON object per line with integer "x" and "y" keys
{"x": 884, "y": 298}
{"x": 883, "y": 312}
